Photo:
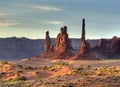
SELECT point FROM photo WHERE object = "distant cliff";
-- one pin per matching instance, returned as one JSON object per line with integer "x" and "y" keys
{"x": 17, "y": 48}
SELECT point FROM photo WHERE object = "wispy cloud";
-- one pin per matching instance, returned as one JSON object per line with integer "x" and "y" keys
{"x": 6, "y": 23}
{"x": 49, "y": 8}
{"x": 3, "y": 14}
{"x": 57, "y": 22}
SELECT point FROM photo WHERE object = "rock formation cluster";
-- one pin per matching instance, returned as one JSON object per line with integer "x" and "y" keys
{"x": 62, "y": 46}
{"x": 62, "y": 42}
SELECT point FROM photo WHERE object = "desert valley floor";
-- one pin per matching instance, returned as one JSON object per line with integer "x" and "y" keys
{"x": 37, "y": 72}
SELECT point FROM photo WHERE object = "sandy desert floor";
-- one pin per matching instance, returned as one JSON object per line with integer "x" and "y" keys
{"x": 36, "y": 62}
{"x": 37, "y": 72}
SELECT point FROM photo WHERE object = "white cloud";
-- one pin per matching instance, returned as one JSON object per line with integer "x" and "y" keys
{"x": 57, "y": 22}
{"x": 2, "y": 14}
{"x": 6, "y": 23}
{"x": 49, "y": 8}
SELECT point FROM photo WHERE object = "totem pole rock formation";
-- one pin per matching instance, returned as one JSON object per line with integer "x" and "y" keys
{"x": 85, "y": 46}
{"x": 85, "y": 53}
{"x": 47, "y": 43}
{"x": 62, "y": 42}
{"x": 62, "y": 47}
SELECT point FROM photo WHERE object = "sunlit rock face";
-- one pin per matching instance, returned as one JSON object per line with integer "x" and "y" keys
{"x": 62, "y": 42}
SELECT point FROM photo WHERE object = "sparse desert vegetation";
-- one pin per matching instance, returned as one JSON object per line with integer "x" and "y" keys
{"x": 57, "y": 73}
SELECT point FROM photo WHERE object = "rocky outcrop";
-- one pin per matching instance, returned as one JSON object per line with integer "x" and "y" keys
{"x": 103, "y": 44}
{"x": 110, "y": 46}
{"x": 85, "y": 53}
{"x": 85, "y": 46}
{"x": 62, "y": 47}
{"x": 114, "y": 45}
{"x": 62, "y": 42}
{"x": 47, "y": 43}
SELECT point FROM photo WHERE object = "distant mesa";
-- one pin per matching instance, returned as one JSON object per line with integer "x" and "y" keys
{"x": 109, "y": 47}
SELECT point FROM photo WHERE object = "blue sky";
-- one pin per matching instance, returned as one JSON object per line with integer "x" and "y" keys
{"x": 32, "y": 18}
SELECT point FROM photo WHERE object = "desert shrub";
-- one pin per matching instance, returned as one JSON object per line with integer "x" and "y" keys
{"x": 55, "y": 67}
{"x": 79, "y": 69}
{"x": 2, "y": 73}
{"x": 45, "y": 67}
{"x": 58, "y": 66}
{"x": 1, "y": 82}
{"x": 105, "y": 70}
{"x": 19, "y": 71}
{"x": 89, "y": 66}
{"x": 62, "y": 63}
{"x": 68, "y": 74}
{"x": 20, "y": 66}
{"x": 9, "y": 68}
{"x": 29, "y": 67}
{"x": 3, "y": 62}
{"x": 85, "y": 73}
{"x": 22, "y": 78}
{"x": 37, "y": 72}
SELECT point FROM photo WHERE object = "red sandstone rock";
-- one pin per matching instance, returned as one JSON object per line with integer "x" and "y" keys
{"x": 85, "y": 46}
{"x": 62, "y": 42}
{"x": 47, "y": 43}
{"x": 103, "y": 43}
{"x": 84, "y": 53}
{"x": 114, "y": 45}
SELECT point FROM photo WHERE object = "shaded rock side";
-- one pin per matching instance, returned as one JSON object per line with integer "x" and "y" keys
{"x": 103, "y": 44}
{"x": 110, "y": 46}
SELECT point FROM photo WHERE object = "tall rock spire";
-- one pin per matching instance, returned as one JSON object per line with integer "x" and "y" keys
{"x": 47, "y": 43}
{"x": 84, "y": 46}
{"x": 85, "y": 53}
{"x": 83, "y": 30}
